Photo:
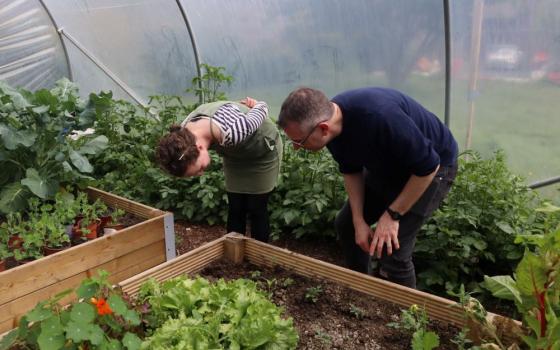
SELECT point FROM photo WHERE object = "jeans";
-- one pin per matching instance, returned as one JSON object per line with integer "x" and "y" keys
{"x": 398, "y": 267}
{"x": 254, "y": 206}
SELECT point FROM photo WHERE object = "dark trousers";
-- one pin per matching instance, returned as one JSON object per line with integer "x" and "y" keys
{"x": 398, "y": 267}
{"x": 253, "y": 206}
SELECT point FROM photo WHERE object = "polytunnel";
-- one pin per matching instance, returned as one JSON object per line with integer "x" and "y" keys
{"x": 489, "y": 68}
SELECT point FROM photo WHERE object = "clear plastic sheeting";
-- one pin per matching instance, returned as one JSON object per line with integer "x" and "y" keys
{"x": 506, "y": 82}
{"x": 145, "y": 44}
{"x": 272, "y": 47}
{"x": 31, "y": 55}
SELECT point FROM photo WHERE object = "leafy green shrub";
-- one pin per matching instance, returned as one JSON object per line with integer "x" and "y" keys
{"x": 474, "y": 232}
{"x": 220, "y": 315}
{"x": 37, "y": 152}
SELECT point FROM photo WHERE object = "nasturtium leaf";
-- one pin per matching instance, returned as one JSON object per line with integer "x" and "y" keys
{"x": 117, "y": 304}
{"x": 39, "y": 313}
{"x": 40, "y": 185}
{"x": 86, "y": 291}
{"x": 131, "y": 341}
{"x": 77, "y": 331}
{"x": 52, "y": 326}
{"x": 96, "y": 334}
{"x": 8, "y": 340}
{"x": 48, "y": 341}
{"x": 82, "y": 312}
{"x": 80, "y": 162}
{"x": 111, "y": 344}
{"x": 132, "y": 317}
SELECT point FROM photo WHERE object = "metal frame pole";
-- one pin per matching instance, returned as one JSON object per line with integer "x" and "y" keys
{"x": 194, "y": 46}
{"x": 70, "y": 75}
{"x": 447, "y": 28}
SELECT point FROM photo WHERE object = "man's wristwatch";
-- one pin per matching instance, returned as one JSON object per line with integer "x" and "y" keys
{"x": 395, "y": 215}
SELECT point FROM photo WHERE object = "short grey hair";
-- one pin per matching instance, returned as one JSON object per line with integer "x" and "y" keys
{"x": 306, "y": 107}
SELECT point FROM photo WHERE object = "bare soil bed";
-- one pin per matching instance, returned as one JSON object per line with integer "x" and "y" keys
{"x": 337, "y": 318}
{"x": 340, "y": 318}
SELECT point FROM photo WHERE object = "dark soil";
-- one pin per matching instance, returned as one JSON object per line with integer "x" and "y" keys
{"x": 339, "y": 319}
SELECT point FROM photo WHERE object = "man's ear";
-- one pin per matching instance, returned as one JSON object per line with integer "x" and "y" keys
{"x": 324, "y": 127}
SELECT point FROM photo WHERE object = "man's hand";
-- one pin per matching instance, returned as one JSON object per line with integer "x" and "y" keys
{"x": 249, "y": 102}
{"x": 363, "y": 234}
{"x": 386, "y": 232}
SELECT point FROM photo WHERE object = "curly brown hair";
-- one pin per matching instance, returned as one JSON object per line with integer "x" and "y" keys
{"x": 177, "y": 150}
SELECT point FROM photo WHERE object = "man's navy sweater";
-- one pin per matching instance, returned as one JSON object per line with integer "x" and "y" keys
{"x": 391, "y": 135}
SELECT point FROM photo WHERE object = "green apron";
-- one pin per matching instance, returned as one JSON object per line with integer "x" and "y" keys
{"x": 253, "y": 165}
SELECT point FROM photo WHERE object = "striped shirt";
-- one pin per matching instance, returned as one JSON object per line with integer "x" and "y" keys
{"x": 235, "y": 125}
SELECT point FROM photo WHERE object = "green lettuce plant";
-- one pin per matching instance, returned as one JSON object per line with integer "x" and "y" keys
{"x": 220, "y": 315}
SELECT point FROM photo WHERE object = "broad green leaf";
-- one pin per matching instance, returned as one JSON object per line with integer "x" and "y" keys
{"x": 530, "y": 274}
{"x": 39, "y": 313}
{"x": 112, "y": 344}
{"x": 77, "y": 331}
{"x": 14, "y": 197}
{"x": 95, "y": 145}
{"x": 82, "y": 312}
{"x": 52, "y": 326}
{"x": 131, "y": 341}
{"x": 503, "y": 287}
{"x": 96, "y": 334}
{"x": 117, "y": 304}
{"x": 51, "y": 341}
{"x": 504, "y": 227}
{"x": 80, "y": 162}
{"x": 39, "y": 185}
{"x": 86, "y": 291}
{"x": 13, "y": 138}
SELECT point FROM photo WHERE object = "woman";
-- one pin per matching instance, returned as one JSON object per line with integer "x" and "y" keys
{"x": 250, "y": 146}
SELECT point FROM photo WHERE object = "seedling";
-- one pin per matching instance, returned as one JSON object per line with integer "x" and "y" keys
{"x": 416, "y": 320}
{"x": 357, "y": 312}
{"x": 312, "y": 294}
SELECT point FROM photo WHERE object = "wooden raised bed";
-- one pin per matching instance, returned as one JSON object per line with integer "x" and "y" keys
{"x": 237, "y": 248}
{"x": 123, "y": 254}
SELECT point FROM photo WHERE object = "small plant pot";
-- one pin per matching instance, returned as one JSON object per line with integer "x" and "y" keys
{"x": 93, "y": 229}
{"x": 53, "y": 250}
{"x": 2, "y": 265}
{"x": 15, "y": 242}
{"x": 112, "y": 228}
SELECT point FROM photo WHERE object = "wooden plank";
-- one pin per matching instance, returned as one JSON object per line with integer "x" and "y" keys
{"x": 38, "y": 274}
{"x": 123, "y": 267}
{"x": 127, "y": 205}
{"x": 185, "y": 263}
{"x": 234, "y": 248}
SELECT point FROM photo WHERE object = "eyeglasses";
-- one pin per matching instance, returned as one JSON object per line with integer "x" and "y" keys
{"x": 304, "y": 140}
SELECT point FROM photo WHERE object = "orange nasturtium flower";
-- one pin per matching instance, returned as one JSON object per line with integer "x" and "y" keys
{"x": 103, "y": 307}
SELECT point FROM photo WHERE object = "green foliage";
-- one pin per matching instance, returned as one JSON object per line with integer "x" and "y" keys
{"x": 535, "y": 289}
{"x": 312, "y": 294}
{"x": 357, "y": 312}
{"x": 474, "y": 231}
{"x": 415, "y": 320}
{"x": 108, "y": 321}
{"x": 37, "y": 151}
{"x": 221, "y": 315}
{"x": 207, "y": 87}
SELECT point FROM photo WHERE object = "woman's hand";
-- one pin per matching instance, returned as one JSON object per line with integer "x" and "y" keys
{"x": 249, "y": 102}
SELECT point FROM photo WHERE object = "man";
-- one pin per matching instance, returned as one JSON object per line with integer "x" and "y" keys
{"x": 398, "y": 162}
